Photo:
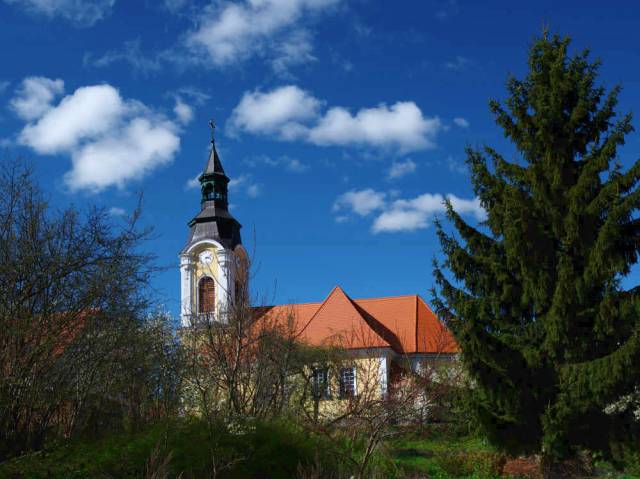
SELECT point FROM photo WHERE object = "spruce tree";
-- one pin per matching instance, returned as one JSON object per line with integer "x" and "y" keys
{"x": 534, "y": 295}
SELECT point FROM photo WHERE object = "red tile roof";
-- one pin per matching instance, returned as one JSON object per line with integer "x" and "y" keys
{"x": 404, "y": 323}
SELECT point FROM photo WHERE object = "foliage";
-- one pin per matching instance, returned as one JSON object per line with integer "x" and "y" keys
{"x": 192, "y": 448}
{"x": 78, "y": 351}
{"x": 549, "y": 335}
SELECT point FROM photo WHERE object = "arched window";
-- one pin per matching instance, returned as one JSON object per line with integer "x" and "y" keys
{"x": 207, "y": 192}
{"x": 206, "y": 295}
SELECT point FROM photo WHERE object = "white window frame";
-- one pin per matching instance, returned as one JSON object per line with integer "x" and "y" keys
{"x": 341, "y": 382}
{"x": 326, "y": 394}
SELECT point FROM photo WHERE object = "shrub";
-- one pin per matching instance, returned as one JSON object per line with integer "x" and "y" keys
{"x": 478, "y": 464}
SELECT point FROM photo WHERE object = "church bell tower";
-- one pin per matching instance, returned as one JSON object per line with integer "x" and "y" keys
{"x": 208, "y": 262}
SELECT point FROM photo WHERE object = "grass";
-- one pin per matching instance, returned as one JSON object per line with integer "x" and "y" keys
{"x": 438, "y": 455}
{"x": 443, "y": 456}
{"x": 190, "y": 448}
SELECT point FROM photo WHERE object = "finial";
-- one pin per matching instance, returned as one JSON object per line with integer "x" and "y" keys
{"x": 212, "y": 125}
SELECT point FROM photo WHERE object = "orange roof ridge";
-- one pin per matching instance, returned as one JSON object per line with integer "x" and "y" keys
{"x": 306, "y": 303}
{"x": 334, "y": 298}
{"x": 336, "y": 289}
{"x": 405, "y": 323}
{"x": 382, "y": 298}
{"x": 322, "y": 304}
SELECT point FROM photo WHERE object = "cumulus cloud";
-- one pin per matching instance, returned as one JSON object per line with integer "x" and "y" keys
{"x": 461, "y": 122}
{"x": 83, "y": 13}
{"x": 233, "y": 32}
{"x": 400, "y": 125}
{"x": 110, "y": 140}
{"x": 290, "y": 113}
{"x": 401, "y": 168}
{"x": 363, "y": 202}
{"x": 131, "y": 152}
{"x": 34, "y": 96}
{"x": 280, "y": 112}
{"x": 396, "y": 215}
{"x": 416, "y": 213}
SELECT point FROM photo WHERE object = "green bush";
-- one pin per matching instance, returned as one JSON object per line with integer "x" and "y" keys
{"x": 190, "y": 448}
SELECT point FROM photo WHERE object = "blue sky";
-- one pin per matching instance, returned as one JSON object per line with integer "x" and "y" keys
{"x": 342, "y": 123}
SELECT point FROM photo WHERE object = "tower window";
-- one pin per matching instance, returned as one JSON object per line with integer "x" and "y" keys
{"x": 207, "y": 192}
{"x": 206, "y": 295}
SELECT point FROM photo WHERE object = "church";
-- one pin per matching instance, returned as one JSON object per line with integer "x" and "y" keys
{"x": 386, "y": 329}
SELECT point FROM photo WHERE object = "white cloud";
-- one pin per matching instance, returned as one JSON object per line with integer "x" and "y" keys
{"x": 87, "y": 113}
{"x": 295, "y": 165}
{"x": 244, "y": 183}
{"x": 253, "y": 191}
{"x": 401, "y": 125}
{"x": 291, "y": 164}
{"x": 130, "y": 153}
{"x": 400, "y": 220}
{"x": 197, "y": 96}
{"x": 174, "y": 6}
{"x": 295, "y": 50}
{"x": 456, "y": 166}
{"x": 237, "y": 182}
{"x": 115, "y": 211}
{"x": 416, "y": 213}
{"x": 34, "y": 97}
{"x": 132, "y": 54}
{"x": 234, "y": 32}
{"x": 461, "y": 122}
{"x": 110, "y": 140}
{"x": 363, "y": 202}
{"x": 401, "y": 168}
{"x": 278, "y": 112}
{"x": 290, "y": 113}
{"x": 193, "y": 183}
{"x": 458, "y": 64}
{"x": 81, "y": 12}
{"x": 183, "y": 112}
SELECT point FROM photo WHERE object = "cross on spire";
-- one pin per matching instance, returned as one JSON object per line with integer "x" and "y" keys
{"x": 212, "y": 125}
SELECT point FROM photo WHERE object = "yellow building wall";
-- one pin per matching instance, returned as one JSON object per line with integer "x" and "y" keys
{"x": 369, "y": 386}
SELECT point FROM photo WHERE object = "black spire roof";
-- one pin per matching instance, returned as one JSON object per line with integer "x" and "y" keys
{"x": 214, "y": 165}
{"x": 214, "y": 220}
